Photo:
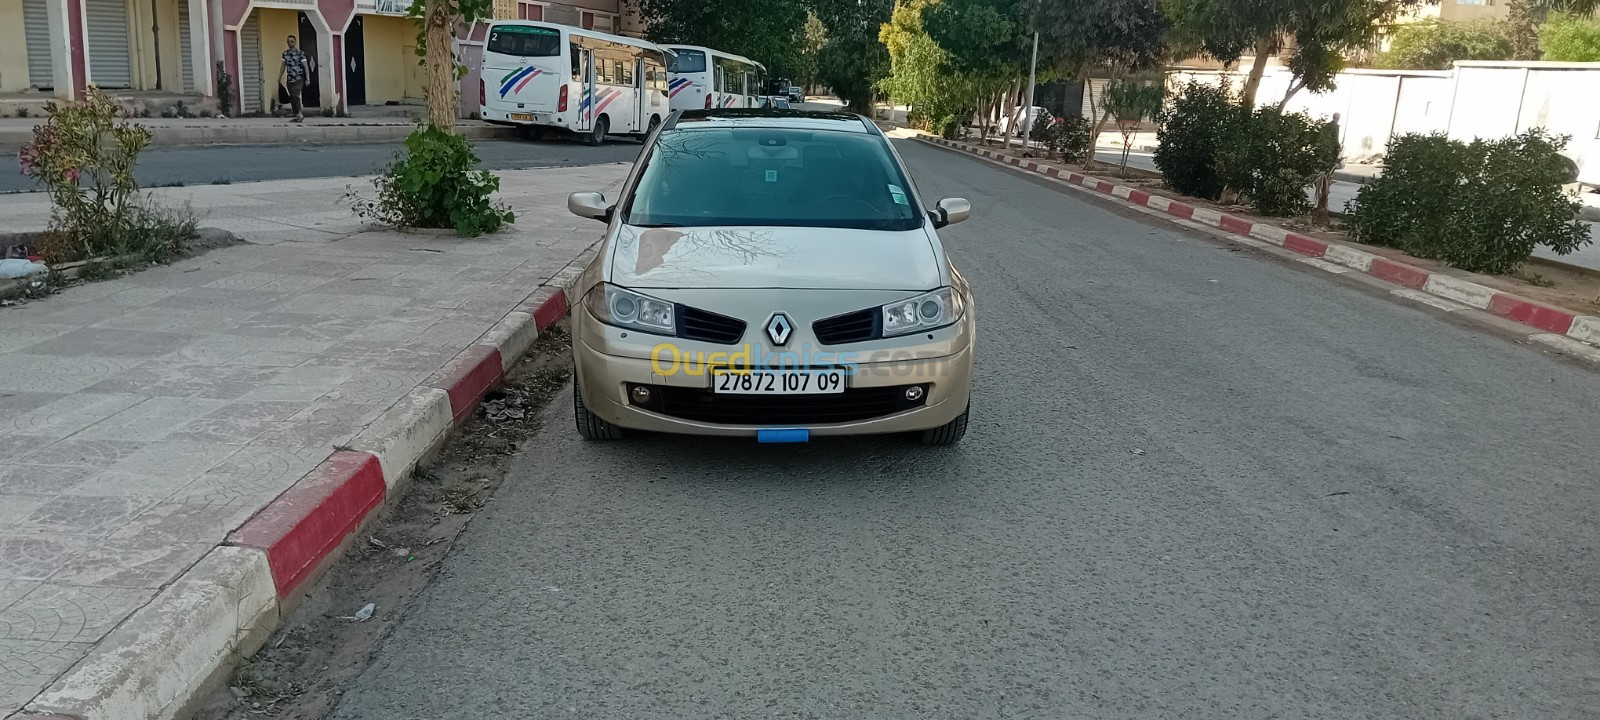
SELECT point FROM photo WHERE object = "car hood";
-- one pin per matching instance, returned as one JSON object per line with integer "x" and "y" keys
{"x": 774, "y": 257}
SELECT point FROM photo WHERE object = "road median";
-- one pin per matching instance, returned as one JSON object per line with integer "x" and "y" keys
{"x": 1576, "y": 327}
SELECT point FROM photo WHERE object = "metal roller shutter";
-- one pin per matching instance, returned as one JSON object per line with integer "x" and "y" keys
{"x": 185, "y": 52}
{"x": 36, "y": 23}
{"x": 250, "y": 65}
{"x": 108, "y": 43}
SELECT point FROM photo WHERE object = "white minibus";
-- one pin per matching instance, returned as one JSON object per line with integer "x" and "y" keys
{"x": 541, "y": 76}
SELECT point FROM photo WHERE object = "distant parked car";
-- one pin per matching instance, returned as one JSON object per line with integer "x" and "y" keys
{"x": 774, "y": 102}
{"x": 1022, "y": 118}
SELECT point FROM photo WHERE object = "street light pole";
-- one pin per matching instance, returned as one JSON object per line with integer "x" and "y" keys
{"x": 1033, "y": 70}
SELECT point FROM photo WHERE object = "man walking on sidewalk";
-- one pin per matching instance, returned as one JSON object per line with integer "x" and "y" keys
{"x": 294, "y": 74}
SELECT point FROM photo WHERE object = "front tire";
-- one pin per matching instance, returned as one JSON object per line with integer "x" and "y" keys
{"x": 590, "y": 425}
{"x": 597, "y": 135}
{"x": 949, "y": 433}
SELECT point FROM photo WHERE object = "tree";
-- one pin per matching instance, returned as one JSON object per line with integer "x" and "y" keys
{"x": 1321, "y": 32}
{"x": 1569, "y": 39}
{"x": 988, "y": 42}
{"x": 1111, "y": 38}
{"x": 1525, "y": 17}
{"x": 436, "y": 45}
{"x": 853, "y": 60}
{"x": 767, "y": 31}
{"x": 1435, "y": 45}
{"x": 814, "y": 37}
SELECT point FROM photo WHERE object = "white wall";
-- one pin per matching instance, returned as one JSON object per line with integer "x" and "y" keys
{"x": 1473, "y": 100}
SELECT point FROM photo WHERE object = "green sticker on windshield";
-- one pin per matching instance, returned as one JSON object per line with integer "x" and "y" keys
{"x": 898, "y": 195}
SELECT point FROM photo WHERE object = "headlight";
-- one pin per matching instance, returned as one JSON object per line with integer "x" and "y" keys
{"x": 924, "y": 312}
{"x": 625, "y": 308}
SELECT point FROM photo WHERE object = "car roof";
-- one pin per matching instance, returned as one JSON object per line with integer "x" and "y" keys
{"x": 772, "y": 118}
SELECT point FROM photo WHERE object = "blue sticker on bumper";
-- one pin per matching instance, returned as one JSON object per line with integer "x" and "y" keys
{"x": 783, "y": 436}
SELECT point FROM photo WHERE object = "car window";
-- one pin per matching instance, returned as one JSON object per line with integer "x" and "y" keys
{"x": 524, "y": 41}
{"x": 772, "y": 177}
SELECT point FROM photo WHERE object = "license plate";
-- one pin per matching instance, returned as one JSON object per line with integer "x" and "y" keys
{"x": 778, "y": 382}
{"x": 522, "y": 116}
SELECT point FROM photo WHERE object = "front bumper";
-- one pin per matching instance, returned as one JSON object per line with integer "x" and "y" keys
{"x": 605, "y": 381}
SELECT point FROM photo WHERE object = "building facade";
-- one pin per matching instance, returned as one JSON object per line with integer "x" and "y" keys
{"x": 361, "y": 52}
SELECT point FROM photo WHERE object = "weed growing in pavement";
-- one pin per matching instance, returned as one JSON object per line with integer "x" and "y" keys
{"x": 84, "y": 154}
{"x": 22, "y": 111}
{"x": 435, "y": 184}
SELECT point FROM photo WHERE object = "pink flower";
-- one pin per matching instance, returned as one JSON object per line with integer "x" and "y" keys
{"x": 72, "y": 174}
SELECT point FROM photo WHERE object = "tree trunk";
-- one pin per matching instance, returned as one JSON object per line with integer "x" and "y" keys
{"x": 441, "y": 66}
{"x": 1010, "y": 110}
{"x": 1294, "y": 88}
{"x": 1266, "y": 45}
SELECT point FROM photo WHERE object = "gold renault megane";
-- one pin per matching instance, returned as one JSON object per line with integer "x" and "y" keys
{"x": 771, "y": 274}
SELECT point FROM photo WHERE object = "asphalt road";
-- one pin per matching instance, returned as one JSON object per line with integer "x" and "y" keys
{"x": 248, "y": 163}
{"x": 1199, "y": 484}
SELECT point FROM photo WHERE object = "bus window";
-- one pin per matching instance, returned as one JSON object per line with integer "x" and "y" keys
{"x": 577, "y": 63}
{"x": 620, "y": 75}
{"x": 688, "y": 61}
{"x": 523, "y": 41}
{"x": 627, "y": 74}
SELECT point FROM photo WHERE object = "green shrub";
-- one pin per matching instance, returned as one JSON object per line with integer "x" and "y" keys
{"x": 1435, "y": 44}
{"x": 1568, "y": 39}
{"x": 1481, "y": 206}
{"x": 436, "y": 184}
{"x": 1202, "y": 120}
{"x": 84, "y": 154}
{"x": 1069, "y": 138}
{"x": 1276, "y": 159}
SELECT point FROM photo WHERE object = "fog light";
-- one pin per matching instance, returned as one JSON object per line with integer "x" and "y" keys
{"x": 914, "y": 393}
{"x": 641, "y": 394}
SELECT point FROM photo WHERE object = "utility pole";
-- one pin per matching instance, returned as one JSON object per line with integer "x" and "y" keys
{"x": 1027, "y": 113}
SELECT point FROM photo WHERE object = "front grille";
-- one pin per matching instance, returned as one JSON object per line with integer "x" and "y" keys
{"x": 854, "y": 404}
{"x": 848, "y": 328}
{"x": 697, "y": 324}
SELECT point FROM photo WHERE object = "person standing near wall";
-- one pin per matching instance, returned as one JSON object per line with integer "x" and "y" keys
{"x": 293, "y": 76}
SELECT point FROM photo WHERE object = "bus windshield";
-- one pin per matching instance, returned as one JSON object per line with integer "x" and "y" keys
{"x": 688, "y": 61}
{"x": 524, "y": 41}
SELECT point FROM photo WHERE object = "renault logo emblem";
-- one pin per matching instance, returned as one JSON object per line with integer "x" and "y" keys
{"x": 779, "y": 329}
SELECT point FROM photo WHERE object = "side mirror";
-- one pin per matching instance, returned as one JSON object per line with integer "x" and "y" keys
{"x": 590, "y": 205}
{"x": 951, "y": 211}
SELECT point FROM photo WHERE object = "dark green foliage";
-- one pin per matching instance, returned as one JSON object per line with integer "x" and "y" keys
{"x": 436, "y": 184}
{"x": 1482, "y": 206}
{"x": 1275, "y": 158}
{"x": 1198, "y": 125}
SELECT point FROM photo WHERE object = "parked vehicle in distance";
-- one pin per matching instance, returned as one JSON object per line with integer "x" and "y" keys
{"x": 772, "y": 275}
{"x": 703, "y": 78}
{"x": 1022, "y": 119}
{"x": 546, "y": 76}
{"x": 777, "y": 102}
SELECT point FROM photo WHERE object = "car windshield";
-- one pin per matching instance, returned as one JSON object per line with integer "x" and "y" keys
{"x": 774, "y": 177}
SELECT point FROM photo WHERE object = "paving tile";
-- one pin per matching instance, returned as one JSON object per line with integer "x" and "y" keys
{"x": 90, "y": 516}
{"x": 16, "y": 402}
{"x": 30, "y": 557}
{"x": 21, "y": 335}
{"x": 22, "y": 478}
{"x": 134, "y": 561}
{"x": 296, "y": 325}
{"x": 69, "y": 613}
{"x": 60, "y": 373}
{"x": 201, "y": 298}
{"x": 325, "y": 423}
{"x": 197, "y": 520}
{"x": 68, "y": 414}
{"x": 28, "y": 666}
{"x": 380, "y": 387}
{"x": 150, "y": 420}
{"x": 111, "y": 343}
{"x": 257, "y": 472}
{"x": 271, "y": 358}
{"x": 13, "y": 446}
{"x": 84, "y": 453}
{"x": 235, "y": 423}
{"x": 137, "y": 296}
{"x": 13, "y": 590}
{"x": 15, "y": 507}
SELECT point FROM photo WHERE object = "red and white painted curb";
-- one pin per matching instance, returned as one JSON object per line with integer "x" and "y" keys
{"x": 221, "y": 610}
{"x": 1562, "y": 329}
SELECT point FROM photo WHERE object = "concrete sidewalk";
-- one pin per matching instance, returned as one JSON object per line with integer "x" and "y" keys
{"x": 15, "y": 132}
{"x": 143, "y": 419}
